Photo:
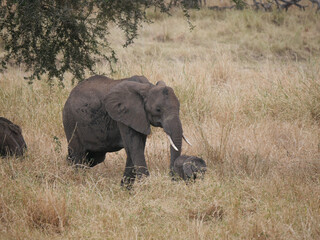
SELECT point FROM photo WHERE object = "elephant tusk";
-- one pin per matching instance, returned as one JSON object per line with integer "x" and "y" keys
{"x": 187, "y": 141}
{"x": 172, "y": 144}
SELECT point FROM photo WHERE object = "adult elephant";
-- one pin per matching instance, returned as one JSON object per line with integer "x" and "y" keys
{"x": 11, "y": 139}
{"x": 104, "y": 115}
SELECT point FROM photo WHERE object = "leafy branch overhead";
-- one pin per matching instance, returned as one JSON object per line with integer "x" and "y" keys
{"x": 267, "y": 5}
{"x": 59, "y": 36}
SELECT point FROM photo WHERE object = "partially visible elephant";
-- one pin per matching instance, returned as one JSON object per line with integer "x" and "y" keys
{"x": 11, "y": 139}
{"x": 189, "y": 167}
{"x": 104, "y": 115}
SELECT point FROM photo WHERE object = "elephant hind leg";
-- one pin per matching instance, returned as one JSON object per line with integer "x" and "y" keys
{"x": 80, "y": 157}
{"x": 94, "y": 158}
{"x": 76, "y": 156}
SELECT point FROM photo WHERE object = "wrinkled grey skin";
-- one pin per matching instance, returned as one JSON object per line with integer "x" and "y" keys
{"x": 11, "y": 139}
{"x": 104, "y": 115}
{"x": 189, "y": 167}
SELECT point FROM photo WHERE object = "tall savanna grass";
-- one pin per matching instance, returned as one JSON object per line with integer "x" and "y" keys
{"x": 249, "y": 87}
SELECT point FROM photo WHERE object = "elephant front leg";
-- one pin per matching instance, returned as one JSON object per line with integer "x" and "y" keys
{"x": 134, "y": 144}
{"x": 129, "y": 174}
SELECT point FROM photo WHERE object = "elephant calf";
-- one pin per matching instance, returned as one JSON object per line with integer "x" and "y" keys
{"x": 11, "y": 139}
{"x": 189, "y": 167}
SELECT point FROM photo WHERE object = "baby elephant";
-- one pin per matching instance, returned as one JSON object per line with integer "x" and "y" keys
{"x": 189, "y": 167}
{"x": 11, "y": 139}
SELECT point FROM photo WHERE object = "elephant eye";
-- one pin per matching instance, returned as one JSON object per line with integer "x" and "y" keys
{"x": 158, "y": 109}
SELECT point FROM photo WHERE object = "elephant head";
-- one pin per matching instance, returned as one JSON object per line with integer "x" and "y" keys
{"x": 141, "y": 104}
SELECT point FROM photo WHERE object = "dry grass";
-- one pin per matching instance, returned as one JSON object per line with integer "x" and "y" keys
{"x": 249, "y": 87}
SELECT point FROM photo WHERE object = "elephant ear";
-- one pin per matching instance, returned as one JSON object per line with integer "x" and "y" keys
{"x": 161, "y": 83}
{"x": 189, "y": 169}
{"x": 125, "y": 103}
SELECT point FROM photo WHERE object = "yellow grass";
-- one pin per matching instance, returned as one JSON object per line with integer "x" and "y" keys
{"x": 249, "y": 88}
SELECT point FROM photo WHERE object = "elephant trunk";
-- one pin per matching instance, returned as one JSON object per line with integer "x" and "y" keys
{"x": 173, "y": 128}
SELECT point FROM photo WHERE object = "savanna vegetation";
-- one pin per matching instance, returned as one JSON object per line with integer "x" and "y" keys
{"x": 249, "y": 87}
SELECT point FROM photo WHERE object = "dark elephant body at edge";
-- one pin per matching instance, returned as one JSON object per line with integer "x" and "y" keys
{"x": 11, "y": 139}
{"x": 104, "y": 115}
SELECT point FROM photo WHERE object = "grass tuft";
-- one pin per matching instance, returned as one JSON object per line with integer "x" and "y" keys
{"x": 48, "y": 212}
